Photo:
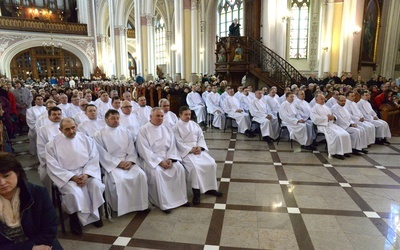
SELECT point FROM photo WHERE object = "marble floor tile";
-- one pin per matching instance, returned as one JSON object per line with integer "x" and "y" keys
{"x": 386, "y": 161}
{"x": 380, "y": 200}
{"x": 366, "y": 242}
{"x": 324, "y": 198}
{"x": 254, "y": 172}
{"x": 276, "y": 239}
{"x": 296, "y": 158}
{"x": 77, "y": 245}
{"x": 357, "y": 225}
{"x": 322, "y": 223}
{"x": 308, "y": 174}
{"x": 330, "y": 240}
{"x": 239, "y": 237}
{"x": 255, "y": 156}
{"x": 278, "y": 221}
{"x": 365, "y": 175}
{"x": 255, "y": 145}
{"x": 218, "y": 154}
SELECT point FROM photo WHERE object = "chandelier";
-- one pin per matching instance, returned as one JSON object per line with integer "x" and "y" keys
{"x": 52, "y": 47}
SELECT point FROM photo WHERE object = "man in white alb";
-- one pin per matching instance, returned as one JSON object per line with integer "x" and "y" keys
{"x": 78, "y": 177}
{"x": 165, "y": 174}
{"x": 46, "y": 134}
{"x": 93, "y": 124}
{"x": 128, "y": 119}
{"x": 197, "y": 104}
{"x": 299, "y": 129}
{"x": 81, "y": 116}
{"x": 382, "y": 131}
{"x": 126, "y": 182}
{"x": 170, "y": 118}
{"x": 143, "y": 111}
{"x": 200, "y": 166}
{"x": 358, "y": 117}
{"x": 344, "y": 120}
{"x": 32, "y": 114}
{"x": 262, "y": 114}
{"x": 234, "y": 110}
{"x": 338, "y": 140}
{"x": 214, "y": 108}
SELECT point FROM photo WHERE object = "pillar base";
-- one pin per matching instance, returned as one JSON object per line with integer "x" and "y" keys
{"x": 177, "y": 77}
{"x": 194, "y": 78}
{"x": 149, "y": 77}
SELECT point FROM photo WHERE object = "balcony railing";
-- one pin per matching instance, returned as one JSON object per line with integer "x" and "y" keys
{"x": 9, "y": 23}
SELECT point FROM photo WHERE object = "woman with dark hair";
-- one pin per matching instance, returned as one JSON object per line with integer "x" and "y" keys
{"x": 27, "y": 216}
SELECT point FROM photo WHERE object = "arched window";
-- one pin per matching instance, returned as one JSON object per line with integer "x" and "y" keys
{"x": 299, "y": 29}
{"x": 38, "y": 63}
{"x": 227, "y": 11}
{"x": 160, "y": 30}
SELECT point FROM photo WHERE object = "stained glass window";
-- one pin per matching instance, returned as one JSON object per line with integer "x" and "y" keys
{"x": 160, "y": 31}
{"x": 299, "y": 21}
{"x": 227, "y": 11}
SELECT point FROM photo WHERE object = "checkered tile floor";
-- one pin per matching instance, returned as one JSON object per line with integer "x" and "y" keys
{"x": 275, "y": 197}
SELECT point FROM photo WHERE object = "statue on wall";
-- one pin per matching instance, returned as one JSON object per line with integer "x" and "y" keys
{"x": 238, "y": 53}
{"x": 222, "y": 54}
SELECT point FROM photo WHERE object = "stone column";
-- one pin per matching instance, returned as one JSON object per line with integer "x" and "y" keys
{"x": 347, "y": 36}
{"x": 194, "y": 37}
{"x": 178, "y": 15}
{"x": 150, "y": 48}
{"x": 121, "y": 52}
{"x": 391, "y": 48}
{"x": 326, "y": 36}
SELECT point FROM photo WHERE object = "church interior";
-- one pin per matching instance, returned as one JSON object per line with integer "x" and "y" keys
{"x": 275, "y": 194}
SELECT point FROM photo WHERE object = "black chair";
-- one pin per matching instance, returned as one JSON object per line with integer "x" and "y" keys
{"x": 280, "y": 132}
{"x": 256, "y": 125}
{"x": 56, "y": 196}
{"x": 319, "y": 134}
{"x": 228, "y": 118}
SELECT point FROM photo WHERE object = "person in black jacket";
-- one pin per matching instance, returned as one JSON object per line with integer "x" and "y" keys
{"x": 234, "y": 29}
{"x": 27, "y": 217}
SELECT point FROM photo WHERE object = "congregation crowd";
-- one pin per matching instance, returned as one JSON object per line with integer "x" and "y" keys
{"x": 92, "y": 140}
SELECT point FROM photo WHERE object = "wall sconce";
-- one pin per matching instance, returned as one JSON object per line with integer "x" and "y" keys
{"x": 356, "y": 30}
{"x": 201, "y": 50}
{"x": 325, "y": 49}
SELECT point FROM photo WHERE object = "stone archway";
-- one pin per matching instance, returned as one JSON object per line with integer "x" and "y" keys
{"x": 86, "y": 57}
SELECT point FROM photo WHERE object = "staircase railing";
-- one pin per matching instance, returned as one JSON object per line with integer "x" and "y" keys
{"x": 282, "y": 72}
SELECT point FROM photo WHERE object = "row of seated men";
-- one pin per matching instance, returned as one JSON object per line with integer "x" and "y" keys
{"x": 348, "y": 127}
{"x": 153, "y": 163}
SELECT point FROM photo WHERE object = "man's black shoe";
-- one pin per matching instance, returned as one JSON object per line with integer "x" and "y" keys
{"x": 347, "y": 155}
{"x": 76, "y": 228}
{"x": 196, "y": 196}
{"x": 187, "y": 204}
{"x": 385, "y": 141}
{"x": 214, "y": 193}
{"x": 356, "y": 152}
{"x": 364, "y": 151}
{"x": 167, "y": 211}
{"x": 379, "y": 141}
{"x": 307, "y": 147}
{"x": 98, "y": 223}
{"x": 340, "y": 157}
{"x": 267, "y": 139}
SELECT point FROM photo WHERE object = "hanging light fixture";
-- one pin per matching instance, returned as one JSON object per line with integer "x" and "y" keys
{"x": 52, "y": 47}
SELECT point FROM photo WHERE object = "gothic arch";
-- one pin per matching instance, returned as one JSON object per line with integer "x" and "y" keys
{"x": 17, "y": 47}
